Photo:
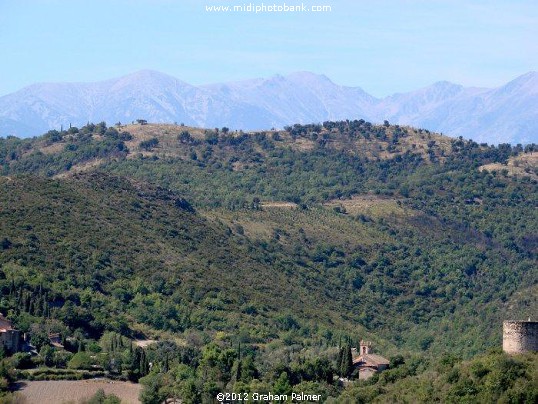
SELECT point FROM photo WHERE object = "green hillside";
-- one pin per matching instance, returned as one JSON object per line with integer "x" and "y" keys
{"x": 287, "y": 243}
{"x": 491, "y": 378}
{"x": 120, "y": 252}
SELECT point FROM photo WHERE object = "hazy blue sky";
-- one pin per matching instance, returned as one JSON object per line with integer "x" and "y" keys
{"x": 383, "y": 46}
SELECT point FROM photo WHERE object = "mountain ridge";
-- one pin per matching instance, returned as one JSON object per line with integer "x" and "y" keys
{"x": 506, "y": 114}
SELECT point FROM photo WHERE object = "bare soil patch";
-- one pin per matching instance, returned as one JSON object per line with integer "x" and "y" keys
{"x": 143, "y": 343}
{"x": 523, "y": 165}
{"x": 371, "y": 205}
{"x": 288, "y": 205}
{"x": 79, "y": 168}
{"x": 64, "y": 391}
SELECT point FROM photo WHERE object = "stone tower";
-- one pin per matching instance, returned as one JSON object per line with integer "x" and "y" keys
{"x": 520, "y": 336}
{"x": 365, "y": 347}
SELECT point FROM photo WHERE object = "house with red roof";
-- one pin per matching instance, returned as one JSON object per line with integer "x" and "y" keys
{"x": 366, "y": 363}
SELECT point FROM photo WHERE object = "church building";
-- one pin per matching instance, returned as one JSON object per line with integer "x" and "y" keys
{"x": 366, "y": 363}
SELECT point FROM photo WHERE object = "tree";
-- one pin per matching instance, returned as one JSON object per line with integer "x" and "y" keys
{"x": 319, "y": 370}
{"x": 236, "y": 371}
{"x": 248, "y": 370}
{"x": 111, "y": 132}
{"x": 185, "y": 137}
{"x": 139, "y": 364}
{"x": 5, "y": 244}
{"x": 81, "y": 360}
{"x": 282, "y": 385}
{"x": 212, "y": 138}
{"x": 39, "y": 337}
{"x": 152, "y": 392}
{"x": 243, "y": 370}
{"x": 47, "y": 353}
{"x": 61, "y": 358}
{"x": 149, "y": 144}
{"x": 346, "y": 361}
{"x": 53, "y": 136}
{"x": 256, "y": 203}
{"x": 100, "y": 128}
{"x": 189, "y": 392}
{"x": 101, "y": 398}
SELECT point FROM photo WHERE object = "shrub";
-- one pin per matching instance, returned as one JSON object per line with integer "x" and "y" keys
{"x": 80, "y": 360}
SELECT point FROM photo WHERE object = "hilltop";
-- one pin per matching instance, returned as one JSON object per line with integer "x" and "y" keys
{"x": 361, "y": 198}
{"x": 95, "y": 144}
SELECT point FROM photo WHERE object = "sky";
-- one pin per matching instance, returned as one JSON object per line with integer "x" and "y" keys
{"x": 383, "y": 46}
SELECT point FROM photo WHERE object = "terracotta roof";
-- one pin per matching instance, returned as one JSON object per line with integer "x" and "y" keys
{"x": 371, "y": 359}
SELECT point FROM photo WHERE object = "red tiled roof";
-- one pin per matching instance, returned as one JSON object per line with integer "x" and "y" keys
{"x": 371, "y": 359}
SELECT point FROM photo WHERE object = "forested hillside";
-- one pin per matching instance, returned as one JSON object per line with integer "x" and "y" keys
{"x": 259, "y": 255}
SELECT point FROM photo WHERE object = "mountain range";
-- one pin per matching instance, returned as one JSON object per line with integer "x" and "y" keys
{"x": 507, "y": 114}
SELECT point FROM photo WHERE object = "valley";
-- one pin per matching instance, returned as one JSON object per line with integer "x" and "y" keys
{"x": 255, "y": 258}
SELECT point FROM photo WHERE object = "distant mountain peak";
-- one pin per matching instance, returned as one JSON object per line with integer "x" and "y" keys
{"x": 307, "y": 74}
{"x": 148, "y": 72}
{"x": 508, "y": 113}
{"x": 444, "y": 84}
{"x": 309, "y": 77}
{"x": 527, "y": 82}
{"x": 147, "y": 75}
{"x": 532, "y": 74}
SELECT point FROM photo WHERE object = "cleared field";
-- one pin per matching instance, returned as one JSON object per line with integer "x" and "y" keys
{"x": 291, "y": 226}
{"x": 370, "y": 205}
{"x": 72, "y": 391}
{"x": 524, "y": 165}
{"x": 143, "y": 343}
{"x": 289, "y": 205}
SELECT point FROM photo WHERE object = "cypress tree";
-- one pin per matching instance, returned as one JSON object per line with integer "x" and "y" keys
{"x": 236, "y": 371}
{"x": 339, "y": 360}
{"x": 166, "y": 364}
{"x": 346, "y": 365}
{"x": 30, "y": 309}
{"x": 143, "y": 367}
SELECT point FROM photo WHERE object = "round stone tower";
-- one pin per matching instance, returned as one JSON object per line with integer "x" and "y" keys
{"x": 520, "y": 336}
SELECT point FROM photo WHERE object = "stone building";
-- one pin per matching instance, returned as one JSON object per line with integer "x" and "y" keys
{"x": 366, "y": 363}
{"x": 10, "y": 339}
{"x": 520, "y": 336}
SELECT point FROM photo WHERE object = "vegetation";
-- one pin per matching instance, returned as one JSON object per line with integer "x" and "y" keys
{"x": 101, "y": 398}
{"x": 491, "y": 378}
{"x": 258, "y": 260}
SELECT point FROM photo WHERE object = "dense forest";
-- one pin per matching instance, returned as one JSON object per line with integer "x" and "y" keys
{"x": 254, "y": 259}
